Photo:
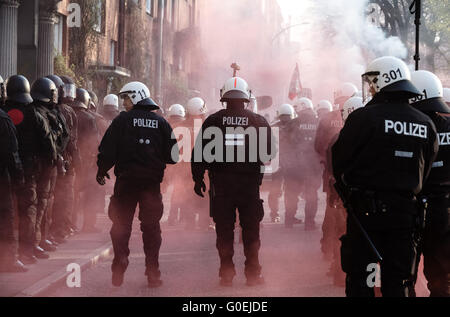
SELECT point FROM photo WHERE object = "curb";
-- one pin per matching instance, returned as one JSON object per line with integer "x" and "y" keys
{"x": 58, "y": 278}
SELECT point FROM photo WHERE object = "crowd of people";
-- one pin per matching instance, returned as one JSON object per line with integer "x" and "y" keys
{"x": 50, "y": 134}
{"x": 380, "y": 156}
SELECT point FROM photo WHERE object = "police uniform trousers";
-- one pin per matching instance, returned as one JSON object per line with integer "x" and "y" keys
{"x": 307, "y": 187}
{"x": 44, "y": 183}
{"x": 392, "y": 233}
{"x": 8, "y": 242}
{"x": 436, "y": 250}
{"x": 128, "y": 193}
{"x": 274, "y": 185}
{"x": 63, "y": 203}
{"x": 229, "y": 192}
{"x": 27, "y": 207}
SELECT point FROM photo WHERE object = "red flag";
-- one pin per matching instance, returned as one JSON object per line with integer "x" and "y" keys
{"x": 296, "y": 86}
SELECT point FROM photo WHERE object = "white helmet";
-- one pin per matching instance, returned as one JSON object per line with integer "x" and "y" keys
{"x": 351, "y": 105}
{"x": 302, "y": 104}
{"x": 286, "y": 110}
{"x": 235, "y": 88}
{"x": 111, "y": 100}
{"x": 390, "y": 74}
{"x": 176, "y": 110}
{"x": 431, "y": 87}
{"x": 196, "y": 107}
{"x": 347, "y": 90}
{"x": 446, "y": 95}
{"x": 325, "y": 105}
{"x": 138, "y": 93}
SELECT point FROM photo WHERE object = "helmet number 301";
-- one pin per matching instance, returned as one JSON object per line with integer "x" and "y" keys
{"x": 392, "y": 75}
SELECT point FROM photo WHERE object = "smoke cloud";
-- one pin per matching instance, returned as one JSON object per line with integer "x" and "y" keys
{"x": 333, "y": 40}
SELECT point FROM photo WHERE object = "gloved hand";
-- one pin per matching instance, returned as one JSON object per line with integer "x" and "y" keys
{"x": 101, "y": 177}
{"x": 200, "y": 188}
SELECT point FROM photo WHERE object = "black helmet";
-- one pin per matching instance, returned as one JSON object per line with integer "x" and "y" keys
{"x": 18, "y": 90}
{"x": 82, "y": 99}
{"x": 94, "y": 101}
{"x": 69, "y": 88}
{"x": 2, "y": 91}
{"x": 59, "y": 85}
{"x": 44, "y": 90}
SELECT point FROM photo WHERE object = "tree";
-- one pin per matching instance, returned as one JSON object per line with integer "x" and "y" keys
{"x": 395, "y": 19}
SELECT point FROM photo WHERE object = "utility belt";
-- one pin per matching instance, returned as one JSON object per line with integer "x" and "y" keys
{"x": 369, "y": 202}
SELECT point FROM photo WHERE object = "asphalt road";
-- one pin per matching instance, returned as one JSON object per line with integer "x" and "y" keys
{"x": 292, "y": 263}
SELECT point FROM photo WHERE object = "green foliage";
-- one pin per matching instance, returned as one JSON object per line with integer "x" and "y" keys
{"x": 84, "y": 38}
{"x": 61, "y": 69}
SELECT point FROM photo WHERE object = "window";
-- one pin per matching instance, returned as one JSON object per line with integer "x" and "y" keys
{"x": 101, "y": 14}
{"x": 58, "y": 42}
{"x": 112, "y": 56}
{"x": 149, "y": 6}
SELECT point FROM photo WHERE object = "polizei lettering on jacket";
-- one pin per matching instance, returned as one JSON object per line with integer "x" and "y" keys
{"x": 444, "y": 138}
{"x": 235, "y": 121}
{"x": 308, "y": 126}
{"x": 145, "y": 123}
{"x": 406, "y": 128}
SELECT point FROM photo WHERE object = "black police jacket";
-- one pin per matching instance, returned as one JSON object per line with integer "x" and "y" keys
{"x": 386, "y": 146}
{"x": 232, "y": 124}
{"x": 439, "y": 178}
{"x": 33, "y": 135}
{"x": 71, "y": 151}
{"x": 288, "y": 145}
{"x": 57, "y": 126}
{"x": 329, "y": 125}
{"x": 9, "y": 156}
{"x": 139, "y": 143}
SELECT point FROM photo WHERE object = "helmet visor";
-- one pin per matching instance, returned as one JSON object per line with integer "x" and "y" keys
{"x": 70, "y": 91}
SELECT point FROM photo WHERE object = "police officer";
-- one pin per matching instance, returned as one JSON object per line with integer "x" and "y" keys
{"x": 306, "y": 181}
{"x": 94, "y": 193}
{"x": 139, "y": 143}
{"x": 337, "y": 214}
{"x": 234, "y": 179}
{"x": 110, "y": 107}
{"x": 178, "y": 174}
{"x": 381, "y": 159}
{"x": 329, "y": 126}
{"x": 45, "y": 98}
{"x": 436, "y": 190}
{"x": 63, "y": 201}
{"x": 289, "y": 134}
{"x": 11, "y": 174}
{"x": 88, "y": 140}
{"x": 196, "y": 110}
{"x": 35, "y": 145}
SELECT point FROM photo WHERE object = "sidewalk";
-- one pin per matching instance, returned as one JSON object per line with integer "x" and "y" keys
{"x": 82, "y": 248}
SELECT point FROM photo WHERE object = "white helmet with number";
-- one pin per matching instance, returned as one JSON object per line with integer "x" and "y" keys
{"x": 351, "y": 105}
{"x": 111, "y": 100}
{"x": 139, "y": 94}
{"x": 390, "y": 74}
{"x": 303, "y": 104}
{"x": 431, "y": 87}
{"x": 324, "y": 105}
{"x": 196, "y": 107}
{"x": 235, "y": 88}
{"x": 286, "y": 110}
{"x": 446, "y": 95}
{"x": 176, "y": 110}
